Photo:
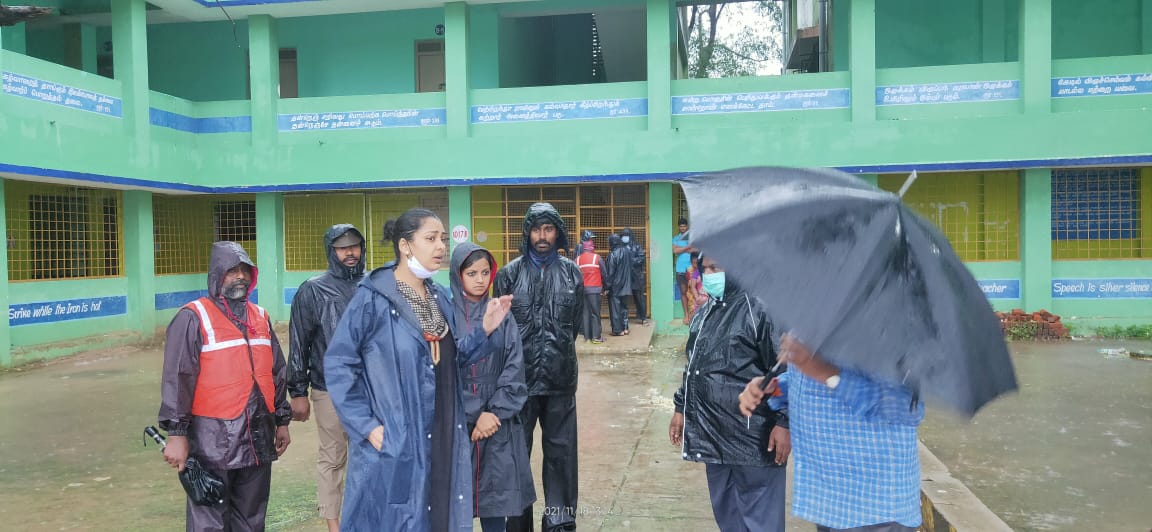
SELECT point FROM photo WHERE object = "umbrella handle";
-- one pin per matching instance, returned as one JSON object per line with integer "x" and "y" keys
{"x": 151, "y": 432}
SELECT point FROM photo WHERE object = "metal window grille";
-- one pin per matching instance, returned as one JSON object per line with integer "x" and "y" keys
{"x": 62, "y": 232}
{"x": 979, "y": 213}
{"x": 1096, "y": 214}
{"x": 184, "y": 228}
{"x": 308, "y": 216}
{"x": 498, "y": 215}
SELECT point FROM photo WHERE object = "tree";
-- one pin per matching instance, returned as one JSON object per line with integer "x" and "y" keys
{"x": 739, "y": 38}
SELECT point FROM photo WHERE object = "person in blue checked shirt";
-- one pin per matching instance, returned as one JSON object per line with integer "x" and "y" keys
{"x": 857, "y": 466}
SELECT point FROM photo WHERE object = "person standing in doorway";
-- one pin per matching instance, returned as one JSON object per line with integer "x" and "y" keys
{"x": 639, "y": 281}
{"x": 222, "y": 395}
{"x": 316, "y": 309}
{"x": 681, "y": 247}
{"x": 595, "y": 270}
{"x": 619, "y": 284}
{"x": 548, "y": 304}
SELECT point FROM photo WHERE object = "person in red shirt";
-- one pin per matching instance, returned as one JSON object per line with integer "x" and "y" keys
{"x": 595, "y": 270}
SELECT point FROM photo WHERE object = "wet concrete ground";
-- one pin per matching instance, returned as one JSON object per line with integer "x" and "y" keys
{"x": 1072, "y": 452}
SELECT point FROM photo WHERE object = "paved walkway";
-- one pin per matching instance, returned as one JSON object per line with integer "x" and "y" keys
{"x": 72, "y": 457}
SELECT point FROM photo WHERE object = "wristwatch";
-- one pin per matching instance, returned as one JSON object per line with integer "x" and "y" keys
{"x": 832, "y": 382}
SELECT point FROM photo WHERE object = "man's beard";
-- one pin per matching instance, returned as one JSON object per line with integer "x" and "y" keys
{"x": 237, "y": 290}
{"x": 536, "y": 246}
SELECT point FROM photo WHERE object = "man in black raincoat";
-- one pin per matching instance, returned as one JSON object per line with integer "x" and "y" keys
{"x": 548, "y": 302}
{"x": 618, "y": 284}
{"x": 639, "y": 281}
{"x": 316, "y": 309}
{"x": 222, "y": 393}
{"x": 730, "y": 341}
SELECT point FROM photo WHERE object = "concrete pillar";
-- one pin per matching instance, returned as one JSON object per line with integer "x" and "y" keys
{"x": 1036, "y": 239}
{"x": 460, "y": 211}
{"x": 1146, "y": 26}
{"x": 264, "y": 63}
{"x": 270, "y": 253}
{"x": 1036, "y": 55}
{"x": 130, "y": 61}
{"x": 992, "y": 15}
{"x": 661, "y": 46}
{"x": 89, "y": 48}
{"x": 457, "y": 82}
{"x": 661, "y": 262}
{"x": 140, "y": 260}
{"x": 5, "y": 332}
{"x": 862, "y": 59}
{"x": 14, "y": 38}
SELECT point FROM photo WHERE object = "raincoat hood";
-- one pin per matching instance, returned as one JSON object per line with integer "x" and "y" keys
{"x": 335, "y": 267}
{"x": 626, "y": 232}
{"x": 468, "y": 312}
{"x": 225, "y": 256}
{"x": 544, "y": 212}
{"x": 614, "y": 242}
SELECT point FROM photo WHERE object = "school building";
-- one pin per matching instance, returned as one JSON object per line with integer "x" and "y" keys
{"x": 134, "y": 133}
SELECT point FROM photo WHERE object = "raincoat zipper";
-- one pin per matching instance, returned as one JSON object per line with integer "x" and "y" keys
{"x": 688, "y": 375}
{"x": 248, "y": 417}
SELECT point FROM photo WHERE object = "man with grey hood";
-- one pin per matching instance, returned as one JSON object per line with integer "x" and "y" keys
{"x": 223, "y": 393}
{"x": 316, "y": 309}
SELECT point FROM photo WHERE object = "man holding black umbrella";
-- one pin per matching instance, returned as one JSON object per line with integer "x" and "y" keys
{"x": 854, "y": 439}
{"x": 222, "y": 392}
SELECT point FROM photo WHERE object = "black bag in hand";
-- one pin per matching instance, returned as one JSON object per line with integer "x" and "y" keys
{"x": 203, "y": 487}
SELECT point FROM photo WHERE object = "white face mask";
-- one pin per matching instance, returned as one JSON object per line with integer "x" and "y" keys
{"x": 418, "y": 269}
{"x": 625, "y": 239}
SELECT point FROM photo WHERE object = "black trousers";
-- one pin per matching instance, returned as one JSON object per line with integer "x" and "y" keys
{"x": 591, "y": 323}
{"x": 618, "y": 313}
{"x": 245, "y": 503}
{"x": 557, "y": 416}
{"x": 641, "y": 304}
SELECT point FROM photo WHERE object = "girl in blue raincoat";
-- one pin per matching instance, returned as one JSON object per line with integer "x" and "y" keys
{"x": 392, "y": 370}
{"x": 494, "y": 393}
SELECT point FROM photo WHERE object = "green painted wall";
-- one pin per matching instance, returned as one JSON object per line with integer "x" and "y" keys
{"x": 199, "y": 61}
{"x": 484, "y": 47}
{"x": 363, "y": 53}
{"x": 911, "y": 33}
{"x": 53, "y": 138}
{"x": 1096, "y": 29}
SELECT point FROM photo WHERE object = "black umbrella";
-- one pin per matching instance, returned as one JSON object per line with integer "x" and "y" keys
{"x": 203, "y": 486}
{"x": 855, "y": 275}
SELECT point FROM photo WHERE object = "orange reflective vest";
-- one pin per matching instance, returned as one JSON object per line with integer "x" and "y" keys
{"x": 589, "y": 263}
{"x": 229, "y": 363}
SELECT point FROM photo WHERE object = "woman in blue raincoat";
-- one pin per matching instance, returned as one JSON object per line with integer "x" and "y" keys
{"x": 392, "y": 370}
{"x": 494, "y": 393}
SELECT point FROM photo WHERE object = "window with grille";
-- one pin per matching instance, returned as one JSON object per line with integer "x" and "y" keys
{"x": 307, "y": 218}
{"x": 498, "y": 215}
{"x": 979, "y": 213}
{"x": 62, "y": 232}
{"x": 1096, "y": 214}
{"x": 184, "y": 228}
{"x": 235, "y": 221}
